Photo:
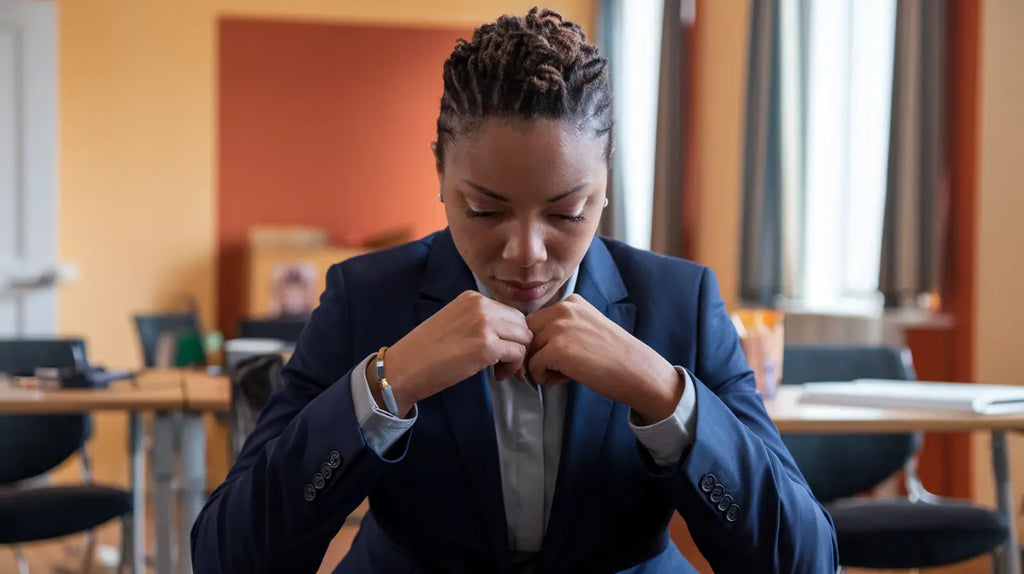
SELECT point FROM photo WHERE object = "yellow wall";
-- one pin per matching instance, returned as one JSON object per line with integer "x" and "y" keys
{"x": 720, "y": 88}
{"x": 138, "y": 175}
{"x": 999, "y": 338}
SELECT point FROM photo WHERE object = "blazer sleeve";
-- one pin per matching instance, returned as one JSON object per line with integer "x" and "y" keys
{"x": 746, "y": 503}
{"x": 306, "y": 465}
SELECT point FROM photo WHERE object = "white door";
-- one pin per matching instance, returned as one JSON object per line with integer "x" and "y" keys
{"x": 28, "y": 168}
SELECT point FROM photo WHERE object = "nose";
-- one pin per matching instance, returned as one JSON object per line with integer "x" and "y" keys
{"x": 525, "y": 246}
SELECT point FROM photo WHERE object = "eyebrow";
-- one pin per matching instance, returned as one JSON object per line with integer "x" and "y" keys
{"x": 502, "y": 198}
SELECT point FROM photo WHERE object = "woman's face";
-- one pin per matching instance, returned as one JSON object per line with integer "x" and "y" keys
{"x": 523, "y": 200}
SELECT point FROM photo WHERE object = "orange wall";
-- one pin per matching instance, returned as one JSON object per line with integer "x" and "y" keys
{"x": 326, "y": 125}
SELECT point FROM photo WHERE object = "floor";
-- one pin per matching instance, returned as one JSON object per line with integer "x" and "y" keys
{"x": 64, "y": 556}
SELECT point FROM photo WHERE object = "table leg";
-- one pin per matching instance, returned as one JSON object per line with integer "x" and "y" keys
{"x": 163, "y": 496}
{"x": 193, "y": 466}
{"x": 1010, "y": 559}
{"x": 138, "y": 452}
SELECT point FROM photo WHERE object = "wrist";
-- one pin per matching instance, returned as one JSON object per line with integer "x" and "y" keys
{"x": 660, "y": 393}
{"x": 401, "y": 398}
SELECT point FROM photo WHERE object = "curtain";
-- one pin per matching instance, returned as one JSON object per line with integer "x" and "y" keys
{"x": 630, "y": 191}
{"x": 832, "y": 214}
{"x": 667, "y": 204}
{"x": 773, "y": 155}
{"x": 918, "y": 187}
{"x": 610, "y": 35}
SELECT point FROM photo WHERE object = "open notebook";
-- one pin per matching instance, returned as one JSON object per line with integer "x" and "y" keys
{"x": 880, "y": 393}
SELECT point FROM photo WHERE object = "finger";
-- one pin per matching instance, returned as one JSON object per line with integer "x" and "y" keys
{"x": 511, "y": 359}
{"x": 541, "y": 339}
{"x": 503, "y": 371}
{"x": 540, "y": 319}
{"x": 515, "y": 331}
{"x": 496, "y": 309}
{"x": 510, "y": 353}
{"x": 543, "y": 366}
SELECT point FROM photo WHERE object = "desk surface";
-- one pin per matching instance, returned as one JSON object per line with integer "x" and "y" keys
{"x": 173, "y": 389}
{"x": 792, "y": 416}
{"x": 204, "y": 392}
{"x": 157, "y": 390}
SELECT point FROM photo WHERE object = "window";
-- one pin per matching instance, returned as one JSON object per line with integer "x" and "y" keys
{"x": 635, "y": 84}
{"x": 849, "y": 57}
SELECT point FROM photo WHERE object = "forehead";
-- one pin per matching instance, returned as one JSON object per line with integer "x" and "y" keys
{"x": 512, "y": 153}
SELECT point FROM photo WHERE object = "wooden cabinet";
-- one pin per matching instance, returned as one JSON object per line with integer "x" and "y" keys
{"x": 289, "y": 280}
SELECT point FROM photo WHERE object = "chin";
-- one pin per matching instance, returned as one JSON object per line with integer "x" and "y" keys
{"x": 527, "y": 307}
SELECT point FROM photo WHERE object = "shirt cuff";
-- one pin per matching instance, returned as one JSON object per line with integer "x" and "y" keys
{"x": 380, "y": 428}
{"x": 666, "y": 440}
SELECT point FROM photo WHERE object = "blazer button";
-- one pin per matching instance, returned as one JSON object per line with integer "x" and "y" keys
{"x": 327, "y": 471}
{"x": 733, "y": 513}
{"x": 308, "y": 492}
{"x": 318, "y": 481}
{"x": 334, "y": 459}
{"x": 723, "y": 504}
{"x": 708, "y": 482}
{"x": 717, "y": 493}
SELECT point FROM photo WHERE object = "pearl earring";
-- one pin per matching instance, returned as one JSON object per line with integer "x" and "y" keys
{"x": 605, "y": 202}
{"x": 440, "y": 197}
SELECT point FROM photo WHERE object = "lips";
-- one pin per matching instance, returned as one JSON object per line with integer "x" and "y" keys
{"x": 524, "y": 291}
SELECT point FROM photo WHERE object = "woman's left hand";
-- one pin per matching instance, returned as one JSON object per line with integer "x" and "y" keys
{"x": 574, "y": 341}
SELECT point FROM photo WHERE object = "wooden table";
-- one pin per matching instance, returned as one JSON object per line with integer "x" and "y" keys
{"x": 792, "y": 416}
{"x": 163, "y": 392}
{"x": 153, "y": 393}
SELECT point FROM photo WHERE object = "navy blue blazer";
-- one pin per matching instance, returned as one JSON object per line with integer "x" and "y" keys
{"x": 435, "y": 497}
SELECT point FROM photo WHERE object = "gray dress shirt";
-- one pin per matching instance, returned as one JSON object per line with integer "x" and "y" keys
{"x": 528, "y": 423}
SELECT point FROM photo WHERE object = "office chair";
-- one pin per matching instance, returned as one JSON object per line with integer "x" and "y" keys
{"x": 32, "y": 445}
{"x": 253, "y": 380}
{"x": 281, "y": 328}
{"x": 920, "y": 531}
{"x": 151, "y": 327}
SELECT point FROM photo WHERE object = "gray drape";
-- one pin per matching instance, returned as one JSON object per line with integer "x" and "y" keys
{"x": 773, "y": 155}
{"x": 667, "y": 206}
{"x": 609, "y": 31}
{"x": 917, "y": 190}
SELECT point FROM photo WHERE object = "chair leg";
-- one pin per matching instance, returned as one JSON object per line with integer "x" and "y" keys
{"x": 127, "y": 550}
{"x": 90, "y": 551}
{"x": 19, "y": 557}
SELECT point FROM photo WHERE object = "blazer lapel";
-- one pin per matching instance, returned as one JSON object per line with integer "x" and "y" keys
{"x": 587, "y": 413}
{"x": 467, "y": 405}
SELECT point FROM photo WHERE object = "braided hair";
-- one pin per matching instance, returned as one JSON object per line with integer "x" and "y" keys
{"x": 537, "y": 67}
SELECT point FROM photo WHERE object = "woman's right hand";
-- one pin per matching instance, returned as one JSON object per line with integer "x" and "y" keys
{"x": 468, "y": 335}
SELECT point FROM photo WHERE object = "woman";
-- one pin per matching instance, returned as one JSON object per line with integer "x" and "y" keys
{"x": 514, "y": 394}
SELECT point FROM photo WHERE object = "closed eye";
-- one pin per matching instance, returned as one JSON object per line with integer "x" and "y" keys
{"x": 474, "y": 214}
{"x": 579, "y": 218}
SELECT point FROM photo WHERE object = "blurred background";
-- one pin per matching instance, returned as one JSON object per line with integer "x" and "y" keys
{"x": 853, "y": 164}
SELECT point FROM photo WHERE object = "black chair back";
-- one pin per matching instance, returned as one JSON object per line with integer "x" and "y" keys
{"x": 152, "y": 327}
{"x": 31, "y": 445}
{"x": 282, "y": 329}
{"x": 252, "y": 382}
{"x": 836, "y": 465}
{"x": 21, "y": 357}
